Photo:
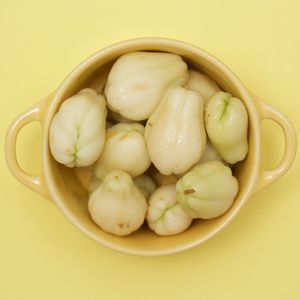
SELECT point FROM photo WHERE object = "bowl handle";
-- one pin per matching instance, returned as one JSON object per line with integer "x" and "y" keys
{"x": 266, "y": 177}
{"x": 34, "y": 113}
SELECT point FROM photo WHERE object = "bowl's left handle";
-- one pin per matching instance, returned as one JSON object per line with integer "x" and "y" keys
{"x": 34, "y": 113}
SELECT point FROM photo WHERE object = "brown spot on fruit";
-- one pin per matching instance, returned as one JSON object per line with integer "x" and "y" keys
{"x": 189, "y": 191}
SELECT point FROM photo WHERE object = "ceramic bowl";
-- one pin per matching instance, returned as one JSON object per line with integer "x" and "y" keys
{"x": 66, "y": 187}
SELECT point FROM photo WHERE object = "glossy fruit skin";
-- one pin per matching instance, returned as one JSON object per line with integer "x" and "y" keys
{"x": 138, "y": 81}
{"x": 175, "y": 133}
{"x": 208, "y": 190}
{"x": 226, "y": 122}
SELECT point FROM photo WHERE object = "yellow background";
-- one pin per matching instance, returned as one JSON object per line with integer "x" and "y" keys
{"x": 42, "y": 256}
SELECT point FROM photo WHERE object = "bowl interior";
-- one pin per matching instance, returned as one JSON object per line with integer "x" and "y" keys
{"x": 68, "y": 186}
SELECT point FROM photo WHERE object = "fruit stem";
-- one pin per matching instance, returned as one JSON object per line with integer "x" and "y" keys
{"x": 190, "y": 191}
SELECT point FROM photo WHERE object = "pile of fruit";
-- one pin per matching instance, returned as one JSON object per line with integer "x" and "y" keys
{"x": 162, "y": 139}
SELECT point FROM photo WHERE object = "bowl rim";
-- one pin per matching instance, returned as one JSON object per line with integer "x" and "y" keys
{"x": 144, "y": 43}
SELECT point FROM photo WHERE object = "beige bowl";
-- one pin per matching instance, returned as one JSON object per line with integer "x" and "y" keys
{"x": 67, "y": 187}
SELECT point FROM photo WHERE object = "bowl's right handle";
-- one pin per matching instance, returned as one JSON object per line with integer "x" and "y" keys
{"x": 34, "y": 113}
{"x": 266, "y": 177}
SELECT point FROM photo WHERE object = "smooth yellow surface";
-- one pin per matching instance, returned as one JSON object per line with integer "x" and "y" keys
{"x": 42, "y": 256}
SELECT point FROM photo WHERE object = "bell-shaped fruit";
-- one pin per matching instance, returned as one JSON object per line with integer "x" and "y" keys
{"x": 124, "y": 149}
{"x": 138, "y": 81}
{"x": 226, "y": 122}
{"x": 175, "y": 133}
{"x": 208, "y": 190}
{"x": 165, "y": 216}
{"x": 117, "y": 205}
{"x": 77, "y": 131}
{"x": 203, "y": 84}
